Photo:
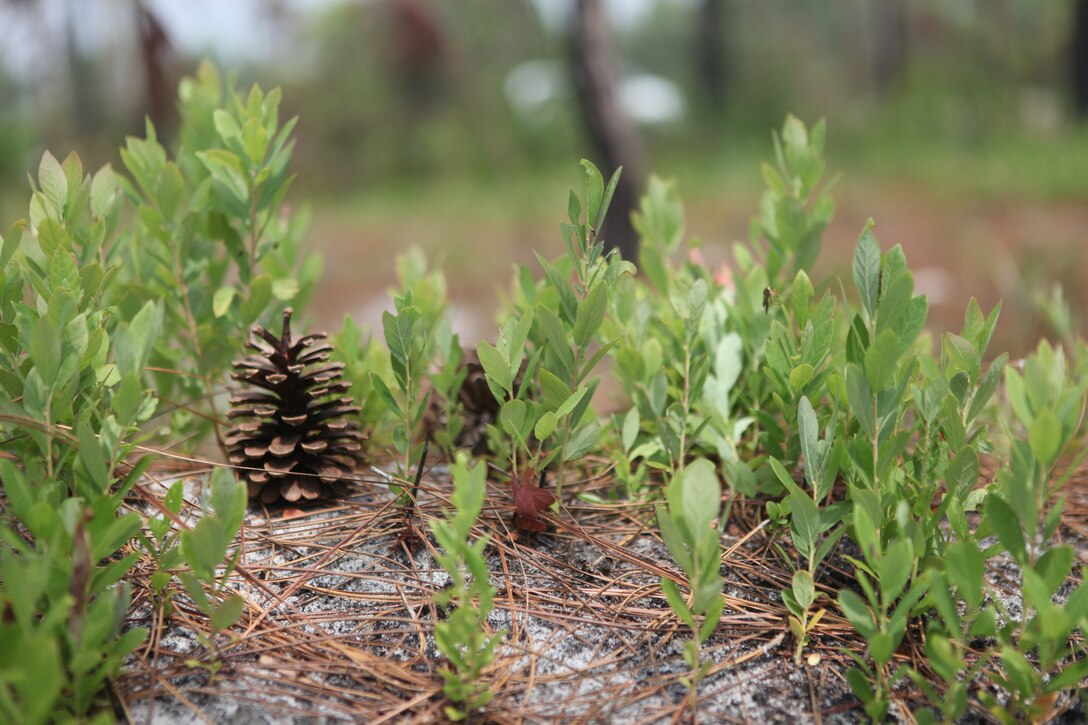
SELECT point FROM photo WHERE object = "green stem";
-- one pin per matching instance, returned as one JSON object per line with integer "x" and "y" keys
{"x": 685, "y": 404}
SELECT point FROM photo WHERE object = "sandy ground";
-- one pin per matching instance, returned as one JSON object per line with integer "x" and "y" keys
{"x": 340, "y": 623}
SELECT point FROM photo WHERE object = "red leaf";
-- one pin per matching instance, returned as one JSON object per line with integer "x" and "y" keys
{"x": 528, "y": 523}
{"x": 529, "y": 502}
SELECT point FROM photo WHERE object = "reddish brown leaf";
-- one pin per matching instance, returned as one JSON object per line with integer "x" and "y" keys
{"x": 529, "y": 502}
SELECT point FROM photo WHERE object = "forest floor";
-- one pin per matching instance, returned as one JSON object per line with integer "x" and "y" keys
{"x": 340, "y": 620}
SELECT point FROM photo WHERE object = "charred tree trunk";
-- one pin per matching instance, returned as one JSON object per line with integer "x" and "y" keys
{"x": 612, "y": 135}
{"x": 1079, "y": 56}
{"x": 711, "y": 63}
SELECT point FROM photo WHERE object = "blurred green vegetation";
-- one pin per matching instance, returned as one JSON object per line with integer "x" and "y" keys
{"x": 397, "y": 96}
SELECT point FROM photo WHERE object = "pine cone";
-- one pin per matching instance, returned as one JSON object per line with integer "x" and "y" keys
{"x": 292, "y": 441}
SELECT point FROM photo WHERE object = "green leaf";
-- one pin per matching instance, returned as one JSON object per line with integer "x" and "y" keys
{"x": 800, "y": 295}
{"x": 804, "y": 588}
{"x": 174, "y": 497}
{"x": 228, "y": 499}
{"x": 808, "y": 431}
{"x": 1053, "y": 567}
{"x": 260, "y": 294}
{"x": 581, "y": 440}
{"x": 228, "y": 612}
{"x": 222, "y": 299}
{"x": 804, "y": 523}
{"x": 894, "y": 570}
{"x": 1045, "y": 437}
{"x": 10, "y": 244}
{"x": 254, "y": 140}
{"x": 54, "y": 184}
{"x": 700, "y": 492}
{"x": 226, "y": 168}
{"x": 860, "y": 396}
{"x": 554, "y": 391}
{"x": 514, "y": 337}
{"x": 103, "y": 191}
{"x": 657, "y": 394}
{"x": 800, "y": 376}
{"x": 557, "y": 340}
{"x": 45, "y": 350}
{"x": 574, "y": 210}
{"x": 859, "y": 684}
{"x": 571, "y": 402}
{"x": 987, "y": 385}
{"x": 496, "y": 368}
{"x": 226, "y": 126}
{"x": 962, "y": 473}
{"x": 965, "y": 568}
{"x": 285, "y": 289}
{"x": 1003, "y": 521}
{"x": 568, "y": 304}
{"x": 857, "y": 613}
{"x": 881, "y": 648}
{"x": 712, "y": 616}
{"x": 696, "y": 304}
{"x": 385, "y": 394}
{"x": 881, "y": 360}
{"x": 399, "y": 332}
{"x": 512, "y": 418}
{"x": 546, "y": 425}
{"x": 962, "y": 355}
{"x": 594, "y": 191}
{"x": 590, "y": 314}
{"x": 631, "y": 425}
{"x": 867, "y": 270}
{"x": 676, "y": 601}
{"x": 204, "y": 547}
{"x": 90, "y": 453}
{"x": 606, "y": 199}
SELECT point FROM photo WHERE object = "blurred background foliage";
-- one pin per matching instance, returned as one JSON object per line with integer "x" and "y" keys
{"x": 959, "y": 125}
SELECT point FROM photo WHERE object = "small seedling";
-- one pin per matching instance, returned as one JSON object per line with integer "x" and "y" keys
{"x": 462, "y": 637}
{"x": 809, "y": 525}
{"x": 408, "y": 350}
{"x": 205, "y": 549}
{"x": 688, "y": 523}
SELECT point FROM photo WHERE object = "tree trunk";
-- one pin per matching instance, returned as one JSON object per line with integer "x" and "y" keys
{"x": 81, "y": 76}
{"x": 889, "y": 33}
{"x": 155, "y": 51}
{"x": 612, "y": 135}
{"x": 711, "y": 63}
{"x": 1079, "y": 57}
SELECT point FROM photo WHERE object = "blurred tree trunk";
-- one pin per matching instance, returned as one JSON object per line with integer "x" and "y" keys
{"x": 427, "y": 55}
{"x": 889, "y": 33}
{"x": 711, "y": 62}
{"x": 1079, "y": 55}
{"x": 155, "y": 51}
{"x": 80, "y": 74}
{"x": 613, "y": 137}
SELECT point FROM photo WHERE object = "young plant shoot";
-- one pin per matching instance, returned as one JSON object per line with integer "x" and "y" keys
{"x": 463, "y": 637}
{"x": 689, "y": 528}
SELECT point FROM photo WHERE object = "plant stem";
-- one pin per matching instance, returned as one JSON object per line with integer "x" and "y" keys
{"x": 194, "y": 335}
